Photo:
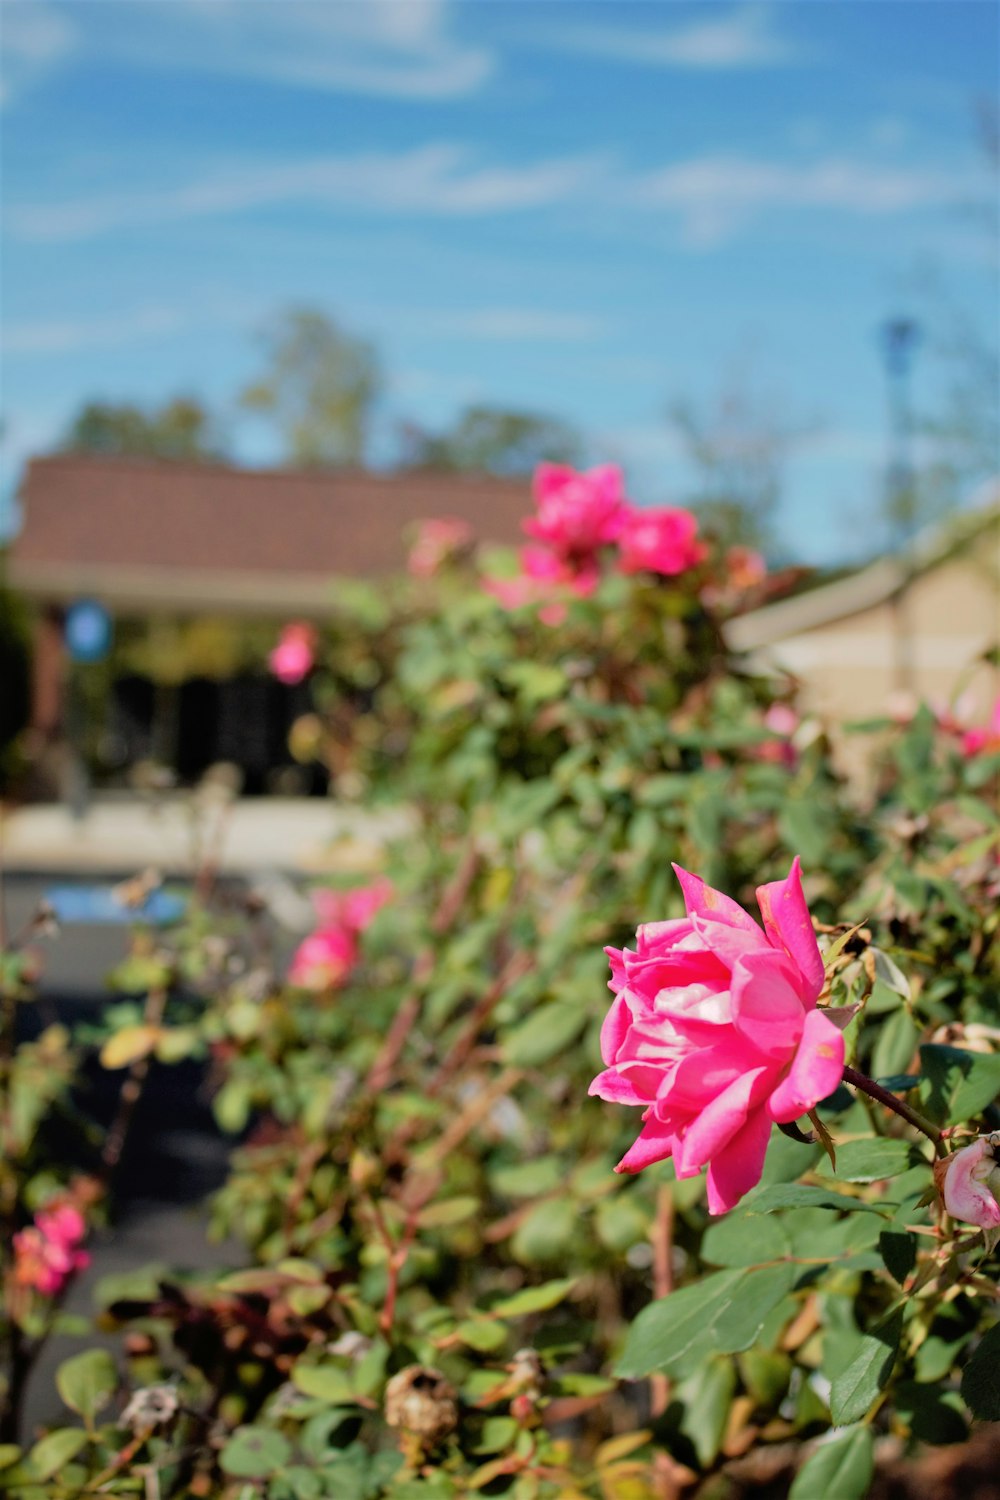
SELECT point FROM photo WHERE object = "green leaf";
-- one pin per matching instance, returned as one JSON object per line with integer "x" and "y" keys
{"x": 741, "y": 1239}
{"x": 707, "y": 1396}
{"x": 481, "y": 1334}
{"x": 899, "y": 1253}
{"x": 739, "y": 1325}
{"x": 799, "y": 1195}
{"x": 546, "y": 1034}
{"x": 856, "y": 1388}
{"x": 981, "y": 1378}
{"x": 9, "y": 1454}
{"x": 534, "y": 1299}
{"x": 934, "y": 1415}
{"x": 895, "y": 1044}
{"x": 528, "y": 1178}
{"x": 254, "y": 1452}
{"x": 888, "y": 971}
{"x": 55, "y": 1450}
{"x": 326, "y": 1382}
{"x": 547, "y": 1232}
{"x": 448, "y": 1211}
{"x": 956, "y": 1085}
{"x": 86, "y": 1381}
{"x": 840, "y": 1469}
{"x": 666, "y": 1331}
{"x": 873, "y": 1159}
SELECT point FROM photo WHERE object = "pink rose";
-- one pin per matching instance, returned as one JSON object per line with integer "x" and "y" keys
{"x": 714, "y": 1031}
{"x": 45, "y": 1254}
{"x": 971, "y": 1181}
{"x": 323, "y": 960}
{"x": 659, "y": 541}
{"x": 577, "y": 513}
{"x": 293, "y": 656}
{"x": 543, "y": 573}
{"x": 984, "y": 737}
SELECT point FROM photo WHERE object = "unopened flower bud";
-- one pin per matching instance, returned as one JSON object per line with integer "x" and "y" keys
{"x": 969, "y": 1182}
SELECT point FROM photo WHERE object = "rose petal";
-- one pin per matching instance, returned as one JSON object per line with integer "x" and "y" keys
{"x": 737, "y": 1167}
{"x": 655, "y": 1142}
{"x": 703, "y": 901}
{"x": 719, "y": 1121}
{"x": 766, "y": 1008}
{"x": 788, "y": 925}
{"x": 816, "y": 1070}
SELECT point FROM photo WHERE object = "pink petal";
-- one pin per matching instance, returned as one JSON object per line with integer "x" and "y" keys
{"x": 966, "y": 1195}
{"x": 816, "y": 1070}
{"x": 655, "y": 1143}
{"x": 766, "y": 1007}
{"x": 738, "y": 1166}
{"x": 720, "y": 1120}
{"x": 703, "y": 901}
{"x": 615, "y": 1028}
{"x": 616, "y": 1086}
{"x": 788, "y": 926}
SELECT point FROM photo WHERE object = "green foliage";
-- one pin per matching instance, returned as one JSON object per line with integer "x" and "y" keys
{"x": 181, "y": 429}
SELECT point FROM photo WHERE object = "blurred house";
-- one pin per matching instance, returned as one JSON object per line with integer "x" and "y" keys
{"x": 198, "y": 566}
{"x": 905, "y": 629}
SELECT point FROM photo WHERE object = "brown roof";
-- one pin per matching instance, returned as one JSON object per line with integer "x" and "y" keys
{"x": 140, "y": 533}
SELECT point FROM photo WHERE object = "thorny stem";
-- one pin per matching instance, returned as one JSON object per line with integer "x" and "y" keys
{"x": 876, "y": 1091}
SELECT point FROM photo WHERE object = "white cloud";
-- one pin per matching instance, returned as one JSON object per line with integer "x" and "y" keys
{"x": 36, "y": 37}
{"x": 715, "y": 194}
{"x": 741, "y": 38}
{"x": 437, "y": 180}
{"x": 513, "y": 324}
{"x": 69, "y": 336}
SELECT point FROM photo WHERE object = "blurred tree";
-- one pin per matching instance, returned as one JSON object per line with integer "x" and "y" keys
{"x": 319, "y": 389}
{"x": 181, "y": 429}
{"x": 738, "y": 448}
{"x": 492, "y": 440}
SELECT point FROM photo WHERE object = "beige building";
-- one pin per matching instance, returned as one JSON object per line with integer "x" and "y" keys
{"x": 904, "y": 629}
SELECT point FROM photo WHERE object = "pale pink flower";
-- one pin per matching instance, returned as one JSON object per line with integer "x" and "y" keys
{"x": 744, "y": 569}
{"x": 577, "y": 512}
{"x": 46, "y": 1254}
{"x": 782, "y": 720}
{"x": 438, "y": 540}
{"x": 714, "y": 1031}
{"x": 970, "y": 1182}
{"x": 293, "y": 656}
{"x": 659, "y": 541}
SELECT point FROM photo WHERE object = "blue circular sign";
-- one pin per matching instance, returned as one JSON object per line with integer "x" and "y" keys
{"x": 87, "y": 630}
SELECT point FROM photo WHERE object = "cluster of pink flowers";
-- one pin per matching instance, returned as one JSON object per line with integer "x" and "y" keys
{"x": 437, "y": 542}
{"x": 715, "y": 1033}
{"x": 324, "y": 960}
{"x": 292, "y": 658}
{"x": 46, "y": 1254}
{"x": 579, "y": 515}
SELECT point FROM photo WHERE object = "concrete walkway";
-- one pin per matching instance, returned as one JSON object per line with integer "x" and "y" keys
{"x": 174, "y": 833}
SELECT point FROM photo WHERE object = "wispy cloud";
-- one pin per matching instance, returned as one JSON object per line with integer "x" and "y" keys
{"x": 436, "y": 180}
{"x": 36, "y": 37}
{"x": 72, "y": 336}
{"x": 743, "y": 38}
{"x": 513, "y": 325}
{"x": 715, "y": 195}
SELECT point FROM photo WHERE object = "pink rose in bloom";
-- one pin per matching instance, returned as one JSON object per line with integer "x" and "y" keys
{"x": 971, "y": 1181}
{"x": 659, "y": 541}
{"x": 46, "y": 1254}
{"x": 324, "y": 960}
{"x": 542, "y": 573}
{"x": 293, "y": 656}
{"x": 438, "y": 541}
{"x": 714, "y": 1031}
{"x": 984, "y": 737}
{"x": 577, "y": 512}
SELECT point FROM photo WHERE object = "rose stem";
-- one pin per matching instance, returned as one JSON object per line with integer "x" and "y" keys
{"x": 876, "y": 1091}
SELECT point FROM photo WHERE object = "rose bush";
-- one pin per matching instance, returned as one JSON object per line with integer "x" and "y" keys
{"x": 714, "y": 1031}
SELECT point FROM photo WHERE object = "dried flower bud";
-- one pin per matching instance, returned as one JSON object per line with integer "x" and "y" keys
{"x": 154, "y": 1406}
{"x": 421, "y": 1402}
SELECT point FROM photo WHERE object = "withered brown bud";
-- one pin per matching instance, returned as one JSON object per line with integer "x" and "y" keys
{"x": 421, "y": 1402}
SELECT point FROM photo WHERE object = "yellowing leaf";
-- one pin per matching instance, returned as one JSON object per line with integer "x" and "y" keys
{"x": 129, "y": 1045}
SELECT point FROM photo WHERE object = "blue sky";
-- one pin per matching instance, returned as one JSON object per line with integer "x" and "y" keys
{"x": 593, "y": 210}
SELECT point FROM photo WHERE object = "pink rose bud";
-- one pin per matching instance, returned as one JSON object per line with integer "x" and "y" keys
{"x": 970, "y": 1182}
{"x": 293, "y": 656}
{"x": 715, "y": 1033}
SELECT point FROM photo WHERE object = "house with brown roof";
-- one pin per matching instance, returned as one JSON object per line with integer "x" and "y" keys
{"x": 920, "y": 627}
{"x": 193, "y": 551}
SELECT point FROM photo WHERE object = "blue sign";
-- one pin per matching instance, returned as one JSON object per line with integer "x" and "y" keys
{"x": 87, "y": 630}
{"x": 98, "y": 904}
